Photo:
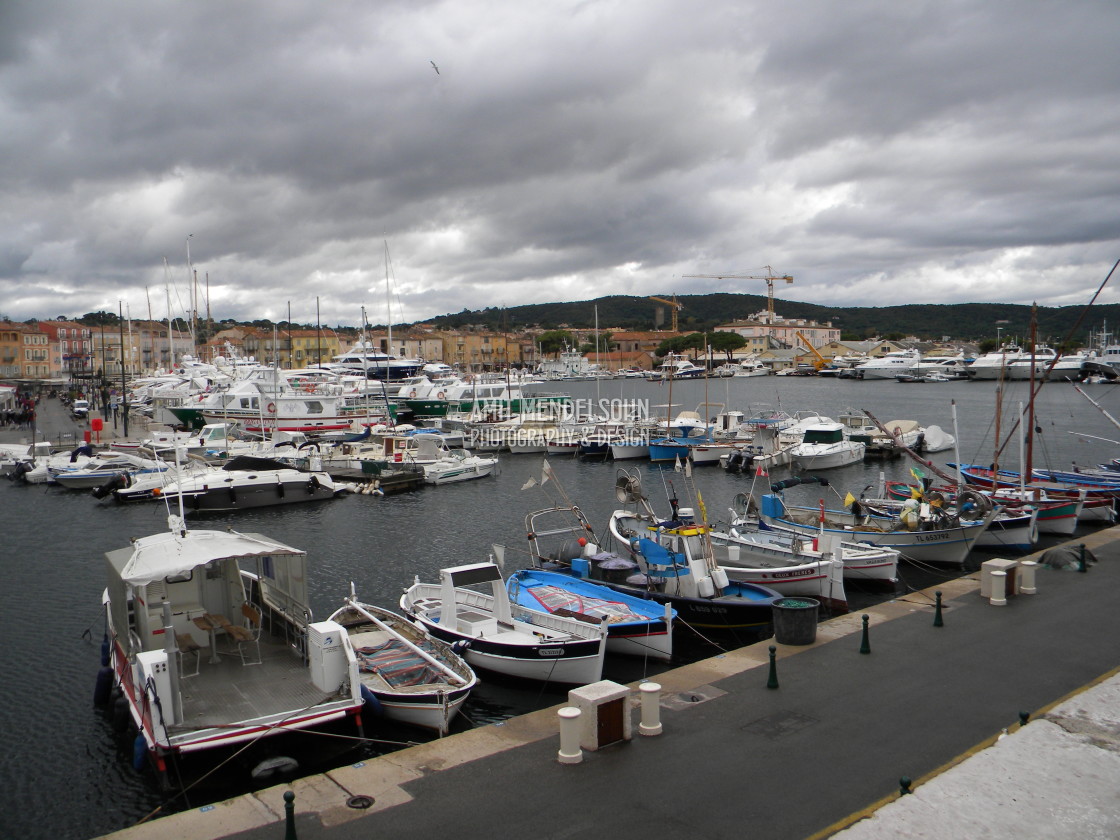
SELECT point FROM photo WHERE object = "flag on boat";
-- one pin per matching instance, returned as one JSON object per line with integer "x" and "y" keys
{"x": 546, "y": 472}
{"x": 849, "y": 499}
{"x": 532, "y": 482}
{"x": 677, "y": 463}
{"x": 918, "y": 474}
{"x": 761, "y": 471}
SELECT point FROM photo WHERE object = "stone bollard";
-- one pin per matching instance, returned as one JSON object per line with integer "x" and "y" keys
{"x": 570, "y": 751}
{"x": 1027, "y": 570}
{"x": 999, "y": 589}
{"x": 651, "y": 709}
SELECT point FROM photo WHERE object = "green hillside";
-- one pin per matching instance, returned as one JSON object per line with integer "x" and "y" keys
{"x": 963, "y": 322}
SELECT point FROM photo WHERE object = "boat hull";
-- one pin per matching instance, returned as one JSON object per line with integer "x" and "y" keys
{"x": 945, "y": 545}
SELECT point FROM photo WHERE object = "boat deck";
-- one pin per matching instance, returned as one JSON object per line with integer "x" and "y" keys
{"x": 226, "y": 692}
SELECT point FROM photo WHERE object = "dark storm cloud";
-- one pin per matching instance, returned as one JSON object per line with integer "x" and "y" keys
{"x": 880, "y": 152}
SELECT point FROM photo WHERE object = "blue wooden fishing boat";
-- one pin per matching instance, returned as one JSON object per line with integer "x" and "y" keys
{"x": 635, "y": 626}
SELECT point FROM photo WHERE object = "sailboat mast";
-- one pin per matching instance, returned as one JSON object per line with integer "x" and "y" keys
{"x": 388, "y": 311}
{"x": 1029, "y": 462}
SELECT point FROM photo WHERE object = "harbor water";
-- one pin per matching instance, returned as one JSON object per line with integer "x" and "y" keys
{"x": 66, "y": 769}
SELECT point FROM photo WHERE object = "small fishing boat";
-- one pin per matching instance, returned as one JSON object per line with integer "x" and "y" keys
{"x": 824, "y": 446}
{"x": 405, "y": 674}
{"x": 919, "y": 532}
{"x": 503, "y": 637}
{"x": 193, "y": 680}
{"x": 635, "y": 626}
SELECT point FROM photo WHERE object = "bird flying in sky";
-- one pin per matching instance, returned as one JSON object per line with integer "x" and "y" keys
{"x": 435, "y": 68}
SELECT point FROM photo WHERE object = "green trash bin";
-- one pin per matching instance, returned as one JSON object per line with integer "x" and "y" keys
{"x": 795, "y": 620}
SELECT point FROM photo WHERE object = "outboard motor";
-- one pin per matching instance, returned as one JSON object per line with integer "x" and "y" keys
{"x": 117, "y": 482}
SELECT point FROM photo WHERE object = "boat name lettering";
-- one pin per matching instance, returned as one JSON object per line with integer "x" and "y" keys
{"x": 550, "y": 651}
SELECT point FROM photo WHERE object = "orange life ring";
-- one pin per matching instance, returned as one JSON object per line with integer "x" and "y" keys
{"x": 271, "y": 408}
{"x": 412, "y": 393}
{"x": 309, "y": 387}
{"x": 441, "y": 395}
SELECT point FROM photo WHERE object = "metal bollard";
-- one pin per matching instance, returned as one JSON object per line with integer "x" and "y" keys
{"x": 772, "y": 679}
{"x": 651, "y": 709}
{"x": 865, "y": 643}
{"x": 999, "y": 589}
{"x": 1027, "y": 570}
{"x": 570, "y": 751}
{"x": 938, "y": 620}
{"x": 289, "y": 815}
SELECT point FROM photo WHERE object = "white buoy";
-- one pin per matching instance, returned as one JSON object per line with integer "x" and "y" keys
{"x": 999, "y": 589}
{"x": 651, "y": 709}
{"x": 1027, "y": 570}
{"x": 570, "y": 751}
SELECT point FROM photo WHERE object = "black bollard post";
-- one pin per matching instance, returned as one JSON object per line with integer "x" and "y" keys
{"x": 938, "y": 621}
{"x": 1081, "y": 567}
{"x": 904, "y": 786}
{"x": 772, "y": 681}
{"x": 865, "y": 645}
{"x": 289, "y": 816}
{"x": 1023, "y": 718}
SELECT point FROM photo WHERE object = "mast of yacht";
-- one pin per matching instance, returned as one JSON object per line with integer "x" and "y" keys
{"x": 388, "y": 314}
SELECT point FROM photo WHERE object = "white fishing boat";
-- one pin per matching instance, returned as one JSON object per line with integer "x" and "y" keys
{"x": 405, "y": 674}
{"x": 194, "y": 680}
{"x": 824, "y": 446}
{"x": 455, "y": 465}
{"x": 503, "y": 637}
{"x": 916, "y": 531}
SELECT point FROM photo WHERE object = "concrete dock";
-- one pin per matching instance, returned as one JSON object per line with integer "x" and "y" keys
{"x": 820, "y": 755}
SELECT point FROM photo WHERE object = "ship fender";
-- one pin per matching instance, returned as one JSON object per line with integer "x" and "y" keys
{"x": 103, "y": 687}
{"x": 139, "y": 752}
{"x": 121, "y": 717}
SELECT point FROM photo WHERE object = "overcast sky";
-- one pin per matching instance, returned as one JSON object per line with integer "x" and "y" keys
{"x": 880, "y": 152}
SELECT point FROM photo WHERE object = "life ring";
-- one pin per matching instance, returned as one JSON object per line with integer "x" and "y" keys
{"x": 441, "y": 395}
{"x": 271, "y": 408}
{"x": 309, "y": 387}
{"x": 411, "y": 393}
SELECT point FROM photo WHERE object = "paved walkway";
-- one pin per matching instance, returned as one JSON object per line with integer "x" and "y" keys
{"x": 821, "y": 754}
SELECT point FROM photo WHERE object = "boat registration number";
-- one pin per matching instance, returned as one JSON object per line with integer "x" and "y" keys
{"x": 550, "y": 651}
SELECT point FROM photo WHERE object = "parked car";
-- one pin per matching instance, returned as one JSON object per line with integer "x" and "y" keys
{"x": 80, "y": 409}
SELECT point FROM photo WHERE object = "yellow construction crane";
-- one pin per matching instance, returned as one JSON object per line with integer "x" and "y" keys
{"x": 820, "y": 361}
{"x": 769, "y": 277}
{"x": 674, "y": 308}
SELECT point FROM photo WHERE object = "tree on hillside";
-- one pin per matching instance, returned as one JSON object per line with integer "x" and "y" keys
{"x": 100, "y": 319}
{"x": 553, "y": 341}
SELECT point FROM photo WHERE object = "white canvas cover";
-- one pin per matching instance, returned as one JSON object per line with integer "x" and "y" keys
{"x": 162, "y": 555}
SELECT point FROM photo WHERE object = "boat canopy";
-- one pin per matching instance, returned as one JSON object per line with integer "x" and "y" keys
{"x": 165, "y": 555}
